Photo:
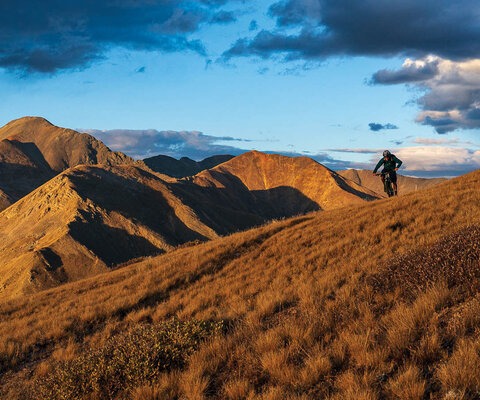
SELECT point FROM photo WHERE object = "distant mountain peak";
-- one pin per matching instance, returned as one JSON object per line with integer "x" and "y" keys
{"x": 184, "y": 166}
{"x": 33, "y": 150}
{"x": 61, "y": 148}
{"x": 30, "y": 120}
{"x": 260, "y": 171}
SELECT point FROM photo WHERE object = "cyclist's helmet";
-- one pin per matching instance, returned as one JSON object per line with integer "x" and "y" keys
{"x": 386, "y": 153}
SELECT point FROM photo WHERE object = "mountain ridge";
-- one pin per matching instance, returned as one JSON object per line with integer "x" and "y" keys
{"x": 61, "y": 148}
{"x": 100, "y": 216}
{"x": 261, "y": 171}
{"x": 89, "y": 217}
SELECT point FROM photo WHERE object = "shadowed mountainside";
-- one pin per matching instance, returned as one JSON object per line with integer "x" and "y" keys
{"x": 22, "y": 169}
{"x": 88, "y": 219}
{"x": 183, "y": 167}
{"x": 32, "y": 150}
{"x": 405, "y": 184}
{"x": 313, "y": 307}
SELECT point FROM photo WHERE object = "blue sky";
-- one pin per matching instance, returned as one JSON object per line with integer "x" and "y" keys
{"x": 336, "y": 80}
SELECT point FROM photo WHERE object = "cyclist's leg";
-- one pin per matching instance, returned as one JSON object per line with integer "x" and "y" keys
{"x": 393, "y": 177}
{"x": 383, "y": 182}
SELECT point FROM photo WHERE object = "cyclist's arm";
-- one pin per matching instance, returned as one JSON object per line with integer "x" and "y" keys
{"x": 398, "y": 161}
{"x": 379, "y": 164}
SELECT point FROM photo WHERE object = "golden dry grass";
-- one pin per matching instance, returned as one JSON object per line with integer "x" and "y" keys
{"x": 308, "y": 315}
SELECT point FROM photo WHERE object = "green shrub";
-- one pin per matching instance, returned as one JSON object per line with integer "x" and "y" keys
{"x": 125, "y": 361}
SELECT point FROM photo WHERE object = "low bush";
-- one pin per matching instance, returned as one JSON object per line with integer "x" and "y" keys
{"x": 126, "y": 361}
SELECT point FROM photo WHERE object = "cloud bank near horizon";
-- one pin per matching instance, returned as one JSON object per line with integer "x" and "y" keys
{"x": 439, "y": 160}
{"x": 46, "y": 36}
{"x": 429, "y": 158}
{"x": 141, "y": 144}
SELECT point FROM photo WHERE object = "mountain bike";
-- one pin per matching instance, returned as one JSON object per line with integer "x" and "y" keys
{"x": 387, "y": 183}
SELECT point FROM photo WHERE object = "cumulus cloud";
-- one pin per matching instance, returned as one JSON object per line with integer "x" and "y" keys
{"x": 450, "y": 97}
{"x": 439, "y": 38}
{"x": 412, "y": 71}
{"x": 47, "y": 35}
{"x": 316, "y": 29}
{"x": 376, "y": 127}
{"x": 141, "y": 144}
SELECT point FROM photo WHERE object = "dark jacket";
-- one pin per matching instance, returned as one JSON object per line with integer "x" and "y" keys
{"x": 388, "y": 165}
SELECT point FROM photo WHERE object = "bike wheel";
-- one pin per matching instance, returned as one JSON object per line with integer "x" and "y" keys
{"x": 390, "y": 189}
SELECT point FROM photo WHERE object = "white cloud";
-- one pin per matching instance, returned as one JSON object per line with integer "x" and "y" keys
{"x": 453, "y": 98}
{"x": 450, "y": 160}
{"x": 147, "y": 143}
{"x": 434, "y": 142}
{"x": 451, "y": 91}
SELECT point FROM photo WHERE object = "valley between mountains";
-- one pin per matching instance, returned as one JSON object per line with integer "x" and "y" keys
{"x": 262, "y": 276}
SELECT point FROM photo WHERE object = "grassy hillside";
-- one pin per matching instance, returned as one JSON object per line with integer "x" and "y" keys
{"x": 86, "y": 220}
{"x": 373, "y": 301}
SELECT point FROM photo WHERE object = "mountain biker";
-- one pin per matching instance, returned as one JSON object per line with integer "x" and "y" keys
{"x": 391, "y": 164}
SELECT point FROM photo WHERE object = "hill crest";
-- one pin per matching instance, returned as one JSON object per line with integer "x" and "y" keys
{"x": 86, "y": 220}
{"x": 259, "y": 171}
{"x": 61, "y": 148}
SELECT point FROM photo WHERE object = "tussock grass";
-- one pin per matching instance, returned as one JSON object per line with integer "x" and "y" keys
{"x": 408, "y": 384}
{"x": 460, "y": 373}
{"x": 367, "y": 302}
